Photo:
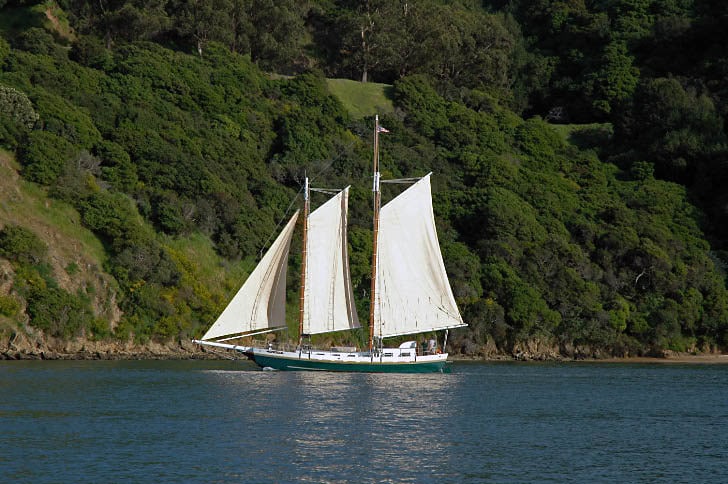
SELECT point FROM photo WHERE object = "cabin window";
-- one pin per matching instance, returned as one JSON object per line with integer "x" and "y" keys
{"x": 388, "y": 354}
{"x": 351, "y": 356}
{"x": 405, "y": 354}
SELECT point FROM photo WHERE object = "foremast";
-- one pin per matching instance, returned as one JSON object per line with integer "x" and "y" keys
{"x": 377, "y": 207}
{"x": 326, "y": 295}
{"x": 304, "y": 261}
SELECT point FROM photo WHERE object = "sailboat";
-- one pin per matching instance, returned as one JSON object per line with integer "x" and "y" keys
{"x": 410, "y": 292}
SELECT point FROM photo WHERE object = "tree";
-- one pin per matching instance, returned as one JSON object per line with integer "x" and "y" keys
{"x": 112, "y": 19}
{"x": 564, "y": 37}
{"x": 616, "y": 80}
{"x": 203, "y": 21}
{"x": 277, "y": 33}
{"x": 367, "y": 32}
{"x": 475, "y": 50}
{"x": 677, "y": 129}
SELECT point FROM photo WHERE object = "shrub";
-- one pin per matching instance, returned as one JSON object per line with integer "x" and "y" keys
{"x": 17, "y": 115}
{"x": 16, "y": 106}
{"x": 112, "y": 216}
{"x": 21, "y": 245}
{"x": 36, "y": 40}
{"x": 44, "y": 155}
{"x": 4, "y": 46}
{"x": 58, "y": 312}
{"x": 116, "y": 166}
{"x": 10, "y": 135}
{"x": 90, "y": 51}
{"x": 65, "y": 119}
{"x": 9, "y": 306}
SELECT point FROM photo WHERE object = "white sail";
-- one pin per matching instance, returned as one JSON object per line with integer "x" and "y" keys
{"x": 329, "y": 300}
{"x": 413, "y": 292}
{"x": 261, "y": 303}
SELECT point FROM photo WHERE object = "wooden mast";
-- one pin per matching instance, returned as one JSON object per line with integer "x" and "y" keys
{"x": 304, "y": 253}
{"x": 377, "y": 203}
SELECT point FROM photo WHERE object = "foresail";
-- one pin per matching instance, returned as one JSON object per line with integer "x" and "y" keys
{"x": 329, "y": 300}
{"x": 261, "y": 303}
{"x": 413, "y": 292}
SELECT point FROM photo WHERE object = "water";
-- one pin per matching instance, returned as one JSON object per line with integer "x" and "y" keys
{"x": 228, "y": 422}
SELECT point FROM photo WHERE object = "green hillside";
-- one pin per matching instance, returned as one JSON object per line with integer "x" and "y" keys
{"x": 141, "y": 182}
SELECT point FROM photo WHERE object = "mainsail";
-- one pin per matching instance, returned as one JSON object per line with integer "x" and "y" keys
{"x": 329, "y": 299}
{"x": 413, "y": 293}
{"x": 261, "y": 303}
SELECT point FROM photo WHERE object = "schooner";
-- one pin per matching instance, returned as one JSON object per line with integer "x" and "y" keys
{"x": 410, "y": 292}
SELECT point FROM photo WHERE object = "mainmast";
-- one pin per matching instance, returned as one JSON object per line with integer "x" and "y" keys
{"x": 377, "y": 206}
{"x": 304, "y": 251}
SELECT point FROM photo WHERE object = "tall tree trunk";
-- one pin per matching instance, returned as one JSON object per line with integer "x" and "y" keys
{"x": 365, "y": 54}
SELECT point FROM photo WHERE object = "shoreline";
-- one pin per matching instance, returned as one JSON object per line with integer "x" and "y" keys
{"x": 37, "y": 347}
{"x": 708, "y": 359}
{"x": 82, "y": 349}
{"x": 185, "y": 351}
{"x": 704, "y": 359}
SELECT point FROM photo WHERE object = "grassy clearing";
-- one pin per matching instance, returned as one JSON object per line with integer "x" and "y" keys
{"x": 362, "y": 99}
{"x": 75, "y": 254}
{"x": 585, "y": 135}
{"x": 57, "y": 223}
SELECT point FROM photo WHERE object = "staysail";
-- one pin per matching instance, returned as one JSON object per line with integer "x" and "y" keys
{"x": 261, "y": 303}
{"x": 329, "y": 299}
{"x": 413, "y": 293}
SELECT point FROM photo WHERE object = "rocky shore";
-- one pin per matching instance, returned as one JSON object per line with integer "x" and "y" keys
{"x": 24, "y": 347}
{"x": 33, "y": 345}
{"x": 186, "y": 350}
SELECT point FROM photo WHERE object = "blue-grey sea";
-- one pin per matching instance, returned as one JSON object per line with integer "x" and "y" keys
{"x": 229, "y": 422}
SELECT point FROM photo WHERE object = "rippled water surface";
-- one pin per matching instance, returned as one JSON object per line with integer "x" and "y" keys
{"x": 229, "y": 422}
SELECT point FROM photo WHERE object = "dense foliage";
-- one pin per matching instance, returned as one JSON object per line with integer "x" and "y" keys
{"x": 157, "y": 124}
{"x": 51, "y": 308}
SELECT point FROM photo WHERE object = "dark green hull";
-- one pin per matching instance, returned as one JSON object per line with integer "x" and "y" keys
{"x": 305, "y": 364}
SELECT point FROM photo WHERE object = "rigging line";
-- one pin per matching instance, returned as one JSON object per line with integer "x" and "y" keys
{"x": 331, "y": 161}
{"x": 276, "y": 231}
{"x": 300, "y": 190}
